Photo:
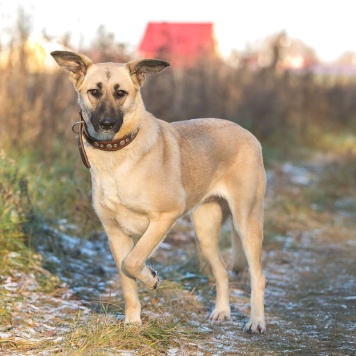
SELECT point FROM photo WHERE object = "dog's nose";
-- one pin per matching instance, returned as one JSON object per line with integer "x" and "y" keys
{"x": 107, "y": 123}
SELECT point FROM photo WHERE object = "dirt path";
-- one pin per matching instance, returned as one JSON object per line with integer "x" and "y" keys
{"x": 310, "y": 295}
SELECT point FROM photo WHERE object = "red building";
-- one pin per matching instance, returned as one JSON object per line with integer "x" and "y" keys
{"x": 181, "y": 44}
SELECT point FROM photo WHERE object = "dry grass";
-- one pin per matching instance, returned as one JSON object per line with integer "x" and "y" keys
{"x": 105, "y": 335}
{"x": 14, "y": 345}
{"x": 102, "y": 335}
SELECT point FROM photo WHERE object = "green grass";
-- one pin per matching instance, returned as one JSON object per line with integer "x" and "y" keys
{"x": 17, "y": 227}
{"x": 60, "y": 188}
{"x": 16, "y": 214}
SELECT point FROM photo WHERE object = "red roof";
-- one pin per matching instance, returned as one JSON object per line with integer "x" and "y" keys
{"x": 180, "y": 43}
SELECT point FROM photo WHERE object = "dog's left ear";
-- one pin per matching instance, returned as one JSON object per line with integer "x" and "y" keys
{"x": 139, "y": 67}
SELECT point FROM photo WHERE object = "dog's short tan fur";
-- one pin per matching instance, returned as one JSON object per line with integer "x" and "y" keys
{"x": 168, "y": 170}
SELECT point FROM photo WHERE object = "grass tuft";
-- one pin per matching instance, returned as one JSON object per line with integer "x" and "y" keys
{"x": 14, "y": 344}
{"x": 100, "y": 335}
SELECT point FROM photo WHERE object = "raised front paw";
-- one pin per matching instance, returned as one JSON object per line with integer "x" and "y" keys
{"x": 156, "y": 278}
{"x": 149, "y": 278}
{"x": 147, "y": 275}
{"x": 255, "y": 326}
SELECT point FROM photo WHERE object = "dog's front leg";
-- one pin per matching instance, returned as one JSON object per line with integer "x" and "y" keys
{"x": 134, "y": 263}
{"x": 121, "y": 245}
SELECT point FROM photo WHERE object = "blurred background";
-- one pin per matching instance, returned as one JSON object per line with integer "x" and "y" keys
{"x": 286, "y": 73}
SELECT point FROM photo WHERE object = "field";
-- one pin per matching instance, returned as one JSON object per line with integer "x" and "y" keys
{"x": 310, "y": 294}
{"x": 59, "y": 289}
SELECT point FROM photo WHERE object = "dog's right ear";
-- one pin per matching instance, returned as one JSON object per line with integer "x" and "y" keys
{"x": 76, "y": 64}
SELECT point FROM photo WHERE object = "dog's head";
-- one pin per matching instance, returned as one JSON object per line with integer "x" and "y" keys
{"x": 108, "y": 93}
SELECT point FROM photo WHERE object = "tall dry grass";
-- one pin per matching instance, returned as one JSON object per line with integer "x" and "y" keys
{"x": 37, "y": 108}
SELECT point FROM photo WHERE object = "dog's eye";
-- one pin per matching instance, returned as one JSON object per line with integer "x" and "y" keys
{"x": 120, "y": 93}
{"x": 94, "y": 92}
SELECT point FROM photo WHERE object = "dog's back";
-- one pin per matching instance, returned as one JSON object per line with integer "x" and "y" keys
{"x": 213, "y": 150}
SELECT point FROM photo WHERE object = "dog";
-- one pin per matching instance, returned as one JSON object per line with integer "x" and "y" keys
{"x": 146, "y": 173}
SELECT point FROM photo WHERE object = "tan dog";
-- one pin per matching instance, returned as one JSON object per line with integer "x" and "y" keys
{"x": 162, "y": 171}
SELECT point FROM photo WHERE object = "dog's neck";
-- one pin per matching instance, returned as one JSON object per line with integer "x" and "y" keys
{"x": 111, "y": 145}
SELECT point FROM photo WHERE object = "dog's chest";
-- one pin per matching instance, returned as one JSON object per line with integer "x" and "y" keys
{"x": 117, "y": 196}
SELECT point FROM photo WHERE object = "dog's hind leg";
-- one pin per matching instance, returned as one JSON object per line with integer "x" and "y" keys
{"x": 239, "y": 261}
{"x": 207, "y": 219}
{"x": 245, "y": 199}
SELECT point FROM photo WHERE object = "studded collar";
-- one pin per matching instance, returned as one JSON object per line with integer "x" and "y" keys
{"x": 112, "y": 145}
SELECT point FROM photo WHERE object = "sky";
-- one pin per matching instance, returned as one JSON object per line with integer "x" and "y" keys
{"x": 327, "y": 26}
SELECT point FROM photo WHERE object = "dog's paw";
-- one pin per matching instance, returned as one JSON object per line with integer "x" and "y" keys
{"x": 133, "y": 324}
{"x": 152, "y": 283}
{"x": 220, "y": 315}
{"x": 255, "y": 327}
{"x": 132, "y": 315}
{"x": 129, "y": 320}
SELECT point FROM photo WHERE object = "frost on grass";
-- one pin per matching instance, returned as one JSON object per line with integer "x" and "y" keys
{"x": 310, "y": 298}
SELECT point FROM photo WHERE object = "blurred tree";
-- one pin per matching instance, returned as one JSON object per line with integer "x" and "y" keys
{"x": 105, "y": 48}
{"x": 16, "y": 73}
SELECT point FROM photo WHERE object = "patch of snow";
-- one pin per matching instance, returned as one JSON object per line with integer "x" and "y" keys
{"x": 298, "y": 175}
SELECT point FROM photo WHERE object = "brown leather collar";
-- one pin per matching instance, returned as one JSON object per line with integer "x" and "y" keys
{"x": 113, "y": 145}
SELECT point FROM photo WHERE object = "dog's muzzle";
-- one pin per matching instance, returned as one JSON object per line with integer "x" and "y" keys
{"x": 108, "y": 125}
